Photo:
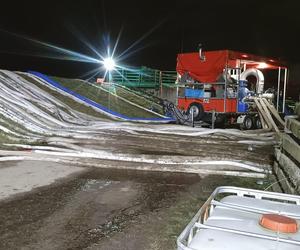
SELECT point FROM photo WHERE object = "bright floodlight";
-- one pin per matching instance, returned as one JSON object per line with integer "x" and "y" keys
{"x": 109, "y": 64}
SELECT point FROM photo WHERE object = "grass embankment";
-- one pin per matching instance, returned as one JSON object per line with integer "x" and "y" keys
{"x": 65, "y": 99}
{"x": 105, "y": 98}
{"x": 135, "y": 97}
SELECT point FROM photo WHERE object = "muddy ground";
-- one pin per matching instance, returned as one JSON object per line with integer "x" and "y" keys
{"x": 61, "y": 202}
{"x": 108, "y": 209}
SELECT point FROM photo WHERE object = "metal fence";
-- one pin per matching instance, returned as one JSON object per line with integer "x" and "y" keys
{"x": 144, "y": 78}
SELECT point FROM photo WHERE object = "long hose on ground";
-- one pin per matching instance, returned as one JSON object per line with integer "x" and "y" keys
{"x": 180, "y": 116}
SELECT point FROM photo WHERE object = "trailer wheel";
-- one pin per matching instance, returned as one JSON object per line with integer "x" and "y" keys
{"x": 247, "y": 123}
{"x": 257, "y": 123}
{"x": 197, "y": 110}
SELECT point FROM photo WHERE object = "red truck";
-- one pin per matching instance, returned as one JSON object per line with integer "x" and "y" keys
{"x": 219, "y": 81}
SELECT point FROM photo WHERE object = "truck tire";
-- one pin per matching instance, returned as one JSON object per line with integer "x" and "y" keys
{"x": 257, "y": 123}
{"x": 198, "y": 111}
{"x": 247, "y": 123}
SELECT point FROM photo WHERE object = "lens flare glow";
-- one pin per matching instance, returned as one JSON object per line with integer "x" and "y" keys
{"x": 109, "y": 60}
{"x": 109, "y": 64}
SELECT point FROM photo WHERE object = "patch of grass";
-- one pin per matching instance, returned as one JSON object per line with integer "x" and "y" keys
{"x": 189, "y": 202}
{"x": 104, "y": 98}
{"x": 4, "y": 138}
{"x": 13, "y": 126}
{"x": 135, "y": 97}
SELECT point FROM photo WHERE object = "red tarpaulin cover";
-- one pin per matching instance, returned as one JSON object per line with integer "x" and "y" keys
{"x": 215, "y": 61}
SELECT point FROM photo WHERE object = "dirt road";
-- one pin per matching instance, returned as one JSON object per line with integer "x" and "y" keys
{"x": 105, "y": 209}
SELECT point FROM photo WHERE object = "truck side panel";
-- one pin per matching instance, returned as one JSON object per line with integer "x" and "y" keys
{"x": 209, "y": 104}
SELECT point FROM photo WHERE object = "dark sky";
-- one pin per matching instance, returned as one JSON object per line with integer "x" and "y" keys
{"x": 269, "y": 28}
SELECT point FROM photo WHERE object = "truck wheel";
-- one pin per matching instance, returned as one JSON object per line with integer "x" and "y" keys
{"x": 257, "y": 123}
{"x": 197, "y": 110}
{"x": 247, "y": 123}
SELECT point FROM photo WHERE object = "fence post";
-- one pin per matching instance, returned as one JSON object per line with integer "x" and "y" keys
{"x": 160, "y": 82}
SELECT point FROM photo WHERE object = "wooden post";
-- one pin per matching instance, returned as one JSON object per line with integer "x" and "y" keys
{"x": 268, "y": 115}
{"x": 274, "y": 112}
{"x": 262, "y": 114}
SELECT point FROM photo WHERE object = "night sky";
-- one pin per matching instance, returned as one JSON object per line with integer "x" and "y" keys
{"x": 268, "y": 28}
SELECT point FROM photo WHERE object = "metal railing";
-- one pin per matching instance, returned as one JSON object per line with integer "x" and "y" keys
{"x": 144, "y": 78}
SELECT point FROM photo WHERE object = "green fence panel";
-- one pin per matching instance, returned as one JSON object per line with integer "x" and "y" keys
{"x": 144, "y": 78}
